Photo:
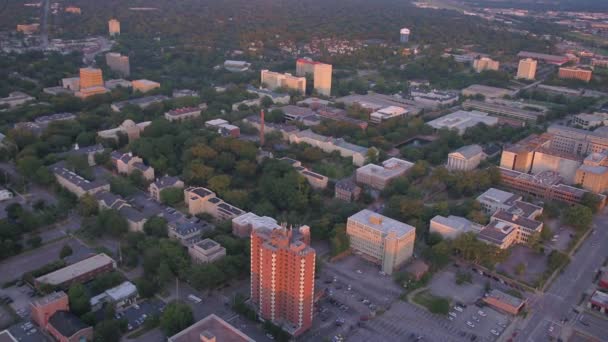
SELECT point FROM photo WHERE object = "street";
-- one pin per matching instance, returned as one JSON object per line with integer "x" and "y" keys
{"x": 565, "y": 292}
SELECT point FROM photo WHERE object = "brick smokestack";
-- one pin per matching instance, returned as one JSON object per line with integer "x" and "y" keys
{"x": 262, "y": 127}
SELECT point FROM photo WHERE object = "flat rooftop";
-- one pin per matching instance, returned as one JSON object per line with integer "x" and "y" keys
{"x": 390, "y": 168}
{"x": 462, "y": 120}
{"x": 211, "y": 326}
{"x": 256, "y": 221}
{"x": 506, "y": 298}
{"x": 382, "y": 223}
{"x": 75, "y": 270}
{"x": 494, "y": 195}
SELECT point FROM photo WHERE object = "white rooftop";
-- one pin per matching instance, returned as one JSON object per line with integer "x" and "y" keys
{"x": 256, "y": 221}
{"x": 461, "y": 120}
{"x": 124, "y": 290}
{"x": 457, "y": 223}
{"x": 382, "y": 223}
{"x": 495, "y": 195}
{"x": 390, "y": 168}
{"x": 72, "y": 271}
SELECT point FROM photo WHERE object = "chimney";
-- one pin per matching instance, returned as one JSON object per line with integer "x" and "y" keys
{"x": 374, "y": 219}
{"x": 207, "y": 336}
{"x": 262, "y": 127}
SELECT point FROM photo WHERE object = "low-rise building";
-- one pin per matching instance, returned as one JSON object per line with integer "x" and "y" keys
{"x": 328, "y": 145}
{"x": 16, "y": 98}
{"x": 187, "y": 230}
{"x": 244, "y": 224}
{"x": 274, "y": 80}
{"x": 504, "y": 302}
{"x": 76, "y": 184}
{"x": 5, "y": 194}
{"x": 144, "y": 86}
{"x": 116, "y": 83}
{"x": 599, "y": 302}
{"x": 347, "y": 190}
{"x": 485, "y": 63}
{"x": 494, "y": 199}
{"x": 64, "y": 326}
{"x": 461, "y": 120}
{"x": 236, "y": 66}
{"x": 206, "y": 251}
{"x": 466, "y": 158}
{"x": 590, "y": 121}
{"x": 382, "y": 240}
{"x": 141, "y": 102}
{"x": 379, "y": 176}
{"x": 277, "y": 98}
{"x": 135, "y": 218}
{"x": 128, "y": 128}
{"x": 127, "y": 163}
{"x": 118, "y": 63}
{"x": 210, "y": 329}
{"x": 295, "y": 113}
{"x": 224, "y": 128}
{"x": 204, "y": 201}
{"x": 486, "y": 91}
{"x": 79, "y": 272}
{"x": 119, "y": 297}
{"x": 183, "y": 114}
{"x": 593, "y": 174}
{"x": 71, "y": 83}
{"x": 452, "y": 226}
{"x": 42, "y": 309}
{"x": 89, "y": 152}
{"x": 510, "y": 110}
{"x": 575, "y": 73}
{"x": 316, "y": 180}
{"x": 433, "y": 99}
{"x": 387, "y": 113}
{"x": 165, "y": 182}
{"x": 177, "y": 93}
{"x": 513, "y": 229}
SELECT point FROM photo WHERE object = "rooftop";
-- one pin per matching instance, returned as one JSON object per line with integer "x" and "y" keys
{"x": 124, "y": 290}
{"x": 390, "y": 168}
{"x": 256, "y": 221}
{"x": 166, "y": 181}
{"x": 50, "y": 298}
{"x": 382, "y": 223}
{"x": 211, "y": 325}
{"x": 496, "y": 232}
{"x": 335, "y": 141}
{"x": 600, "y": 298}
{"x": 488, "y": 91}
{"x": 183, "y": 111}
{"x": 494, "y": 195}
{"x": 522, "y": 221}
{"x": 506, "y": 298}
{"x": 457, "y": 223}
{"x": 461, "y": 120}
{"x": 75, "y": 270}
{"x": 66, "y": 323}
{"x": 77, "y": 180}
{"x": 469, "y": 151}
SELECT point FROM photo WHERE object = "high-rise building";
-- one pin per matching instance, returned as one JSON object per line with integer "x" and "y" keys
{"x": 118, "y": 63}
{"x": 91, "y": 83}
{"x": 527, "y": 69}
{"x": 321, "y": 73}
{"x": 485, "y": 63}
{"x": 114, "y": 27}
{"x": 404, "y": 35}
{"x": 282, "y": 277}
{"x": 274, "y": 80}
{"x": 575, "y": 73}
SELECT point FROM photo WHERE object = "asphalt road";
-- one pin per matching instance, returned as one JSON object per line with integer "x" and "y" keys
{"x": 565, "y": 292}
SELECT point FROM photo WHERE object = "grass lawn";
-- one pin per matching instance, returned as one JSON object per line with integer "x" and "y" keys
{"x": 436, "y": 305}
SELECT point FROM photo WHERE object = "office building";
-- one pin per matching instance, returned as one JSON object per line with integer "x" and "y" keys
{"x": 236, "y": 66}
{"x": 71, "y": 83}
{"x": 166, "y": 182}
{"x": 404, "y": 35}
{"x": 295, "y": 113}
{"x": 114, "y": 27}
{"x": 506, "y": 228}
{"x": 91, "y": 83}
{"x": 321, "y": 72}
{"x": 277, "y": 98}
{"x": 183, "y": 114}
{"x": 204, "y": 201}
{"x": 466, "y": 158}
{"x": 128, "y": 128}
{"x": 593, "y": 174}
{"x": 461, "y": 120}
{"x": 77, "y": 184}
{"x": 433, "y": 99}
{"x": 127, "y": 163}
{"x": 486, "y": 91}
{"x": 379, "y": 176}
{"x": 223, "y": 128}
{"x": 283, "y": 277}
{"x": 273, "y": 80}
{"x": 452, "y": 226}
{"x": 347, "y": 190}
{"x": 575, "y": 74}
{"x": 387, "y": 113}
{"x": 485, "y": 63}
{"x": 144, "y": 86}
{"x": 206, "y": 251}
{"x": 141, "y": 102}
{"x": 382, "y": 240}
{"x": 329, "y": 144}
{"x": 210, "y": 329}
{"x": 578, "y": 141}
{"x": 79, "y": 272}
{"x": 494, "y": 199}
{"x": 590, "y": 121}
{"x": 505, "y": 110}
{"x": 118, "y": 63}
{"x": 372, "y": 102}
{"x": 526, "y": 69}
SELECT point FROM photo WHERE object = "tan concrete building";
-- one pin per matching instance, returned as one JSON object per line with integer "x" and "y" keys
{"x": 118, "y": 63}
{"x": 114, "y": 27}
{"x": 183, "y": 114}
{"x": 274, "y": 80}
{"x": 526, "y": 69}
{"x": 321, "y": 72}
{"x": 144, "y": 86}
{"x": 575, "y": 73}
{"x": 129, "y": 128}
{"x": 385, "y": 241}
{"x": 329, "y": 144}
{"x": 452, "y": 226}
{"x": 206, "y": 251}
{"x": 127, "y": 163}
{"x": 593, "y": 174}
{"x": 466, "y": 158}
{"x": 378, "y": 177}
{"x": 91, "y": 83}
{"x": 243, "y": 225}
{"x": 163, "y": 183}
{"x": 204, "y": 201}
{"x": 485, "y": 63}
{"x": 76, "y": 184}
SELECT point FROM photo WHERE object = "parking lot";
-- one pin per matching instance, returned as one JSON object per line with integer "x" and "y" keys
{"x": 484, "y": 322}
{"x": 27, "y": 331}
{"x": 137, "y": 314}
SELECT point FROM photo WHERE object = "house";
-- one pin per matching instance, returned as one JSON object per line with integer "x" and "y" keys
{"x": 135, "y": 219}
{"x": 163, "y": 183}
{"x": 119, "y": 297}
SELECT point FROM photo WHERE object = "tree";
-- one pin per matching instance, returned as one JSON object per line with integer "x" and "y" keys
{"x": 107, "y": 330}
{"x": 578, "y": 217}
{"x": 176, "y": 317}
{"x": 591, "y": 201}
{"x": 171, "y": 196}
{"x": 79, "y": 299}
{"x": 520, "y": 269}
{"x": 220, "y": 183}
{"x": 156, "y": 226}
{"x": 34, "y": 241}
{"x": 88, "y": 205}
{"x": 66, "y": 251}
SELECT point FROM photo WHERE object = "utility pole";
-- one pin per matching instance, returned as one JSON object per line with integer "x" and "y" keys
{"x": 177, "y": 287}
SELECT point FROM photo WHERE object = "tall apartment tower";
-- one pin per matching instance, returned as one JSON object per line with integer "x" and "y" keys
{"x": 282, "y": 277}
{"x": 118, "y": 63}
{"x": 404, "y": 35}
{"x": 321, "y": 73}
{"x": 485, "y": 63}
{"x": 527, "y": 69}
{"x": 114, "y": 27}
{"x": 90, "y": 77}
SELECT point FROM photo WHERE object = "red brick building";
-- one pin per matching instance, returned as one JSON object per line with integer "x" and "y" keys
{"x": 43, "y": 308}
{"x": 282, "y": 277}
{"x": 64, "y": 326}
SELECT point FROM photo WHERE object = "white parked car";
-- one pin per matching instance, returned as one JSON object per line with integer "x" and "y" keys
{"x": 471, "y": 325}
{"x": 458, "y": 308}
{"x": 481, "y": 313}
{"x": 494, "y": 332}
{"x": 452, "y": 313}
